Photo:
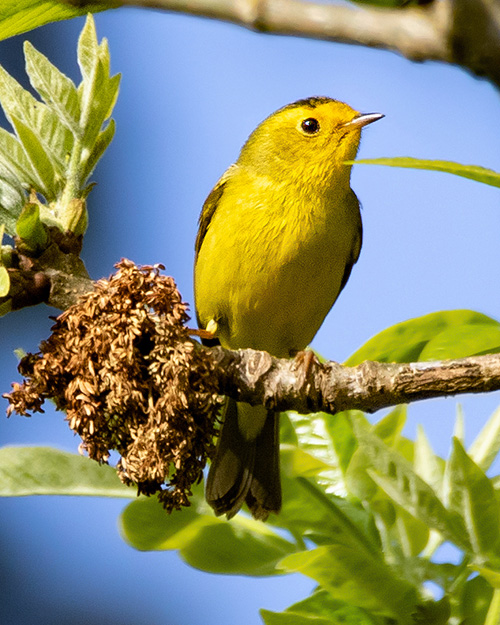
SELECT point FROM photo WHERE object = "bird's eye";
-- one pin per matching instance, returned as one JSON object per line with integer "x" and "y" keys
{"x": 310, "y": 126}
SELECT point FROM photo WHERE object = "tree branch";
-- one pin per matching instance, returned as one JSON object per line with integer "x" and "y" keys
{"x": 462, "y": 32}
{"x": 280, "y": 384}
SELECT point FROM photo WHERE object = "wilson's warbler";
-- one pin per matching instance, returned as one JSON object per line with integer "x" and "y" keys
{"x": 278, "y": 236}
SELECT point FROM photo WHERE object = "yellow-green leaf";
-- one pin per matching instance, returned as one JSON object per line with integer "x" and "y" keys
{"x": 473, "y": 172}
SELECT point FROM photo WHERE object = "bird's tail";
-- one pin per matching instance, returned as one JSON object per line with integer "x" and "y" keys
{"x": 246, "y": 468}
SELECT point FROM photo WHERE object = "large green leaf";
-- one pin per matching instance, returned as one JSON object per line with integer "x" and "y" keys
{"x": 19, "y": 16}
{"x": 58, "y": 91}
{"x": 471, "y": 495}
{"x": 310, "y": 512}
{"x": 397, "y": 478}
{"x": 40, "y": 160}
{"x": 486, "y": 445}
{"x": 240, "y": 547}
{"x": 320, "y": 608}
{"x": 47, "y": 471}
{"x": 409, "y": 340}
{"x": 473, "y": 172}
{"x": 427, "y": 465}
{"x": 43, "y": 122}
{"x": 349, "y": 575}
{"x": 476, "y": 598}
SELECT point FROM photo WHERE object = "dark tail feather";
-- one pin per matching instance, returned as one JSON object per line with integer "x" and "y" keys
{"x": 264, "y": 495}
{"x": 244, "y": 470}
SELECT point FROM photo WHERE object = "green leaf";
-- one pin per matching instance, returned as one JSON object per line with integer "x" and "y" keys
{"x": 426, "y": 464}
{"x": 38, "y": 117}
{"x": 14, "y": 159}
{"x": 476, "y": 599}
{"x": 395, "y": 475}
{"x": 46, "y": 471}
{"x": 240, "y": 547}
{"x": 347, "y": 574}
{"x": 324, "y": 518}
{"x": 98, "y": 102}
{"x": 30, "y": 229}
{"x": 473, "y": 172}
{"x": 339, "y": 429}
{"x": 12, "y": 199}
{"x": 459, "y": 342}
{"x": 297, "y": 462}
{"x": 88, "y": 49}
{"x": 58, "y": 91}
{"x": 50, "y": 184}
{"x": 320, "y": 608}
{"x": 405, "y": 342}
{"x": 486, "y": 445}
{"x": 19, "y": 16}
{"x": 490, "y": 575}
{"x": 389, "y": 428}
{"x": 289, "y": 618}
{"x": 104, "y": 138}
{"x": 412, "y": 533}
{"x": 471, "y": 495}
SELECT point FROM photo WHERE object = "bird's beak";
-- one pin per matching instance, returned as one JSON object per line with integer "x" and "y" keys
{"x": 362, "y": 120}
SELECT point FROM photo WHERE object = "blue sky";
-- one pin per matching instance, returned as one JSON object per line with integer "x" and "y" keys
{"x": 192, "y": 90}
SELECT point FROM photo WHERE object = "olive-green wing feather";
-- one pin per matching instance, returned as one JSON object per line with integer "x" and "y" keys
{"x": 356, "y": 248}
{"x": 210, "y": 206}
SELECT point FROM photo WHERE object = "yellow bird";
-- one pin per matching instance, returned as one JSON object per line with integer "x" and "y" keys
{"x": 278, "y": 236}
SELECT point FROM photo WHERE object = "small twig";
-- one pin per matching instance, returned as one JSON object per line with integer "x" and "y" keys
{"x": 259, "y": 378}
{"x": 463, "y": 32}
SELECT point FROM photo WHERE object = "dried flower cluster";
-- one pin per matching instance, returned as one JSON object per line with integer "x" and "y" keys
{"x": 122, "y": 366}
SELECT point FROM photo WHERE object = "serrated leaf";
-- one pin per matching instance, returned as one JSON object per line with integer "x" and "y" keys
{"x": 46, "y": 471}
{"x": 14, "y": 158}
{"x": 395, "y": 475}
{"x": 405, "y": 342}
{"x": 486, "y": 445}
{"x": 473, "y": 172}
{"x": 472, "y": 496}
{"x": 349, "y": 575}
{"x": 97, "y": 104}
{"x": 104, "y": 138}
{"x": 88, "y": 49}
{"x": 241, "y": 547}
{"x": 58, "y": 91}
{"x": 50, "y": 185}
{"x": 38, "y": 117}
{"x": 19, "y": 16}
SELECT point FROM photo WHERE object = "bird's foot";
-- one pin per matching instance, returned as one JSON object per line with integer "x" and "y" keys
{"x": 304, "y": 361}
{"x": 202, "y": 333}
{"x": 207, "y": 334}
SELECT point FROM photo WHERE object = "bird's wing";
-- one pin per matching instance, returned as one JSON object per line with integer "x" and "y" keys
{"x": 210, "y": 206}
{"x": 356, "y": 248}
